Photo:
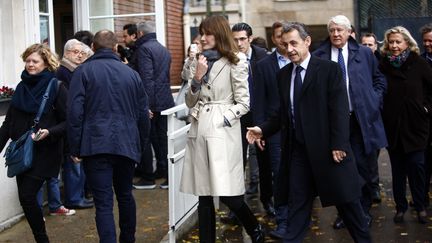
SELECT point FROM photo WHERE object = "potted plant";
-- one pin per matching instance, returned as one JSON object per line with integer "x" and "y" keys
{"x": 5, "y": 98}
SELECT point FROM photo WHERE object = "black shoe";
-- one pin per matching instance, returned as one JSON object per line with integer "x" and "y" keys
{"x": 143, "y": 184}
{"x": 164, "y": 185}
{"x": 399, "y": 217}
{"x": 338, "y": 223}
{"x": 253, "y": 188}
{"x": 83, "y": 205}
{"x": 230, "y": 219}
{"x": 369, "y": 220}
{"x": 160, "y": 175}
{"x": 258, "y": 235}
{"x": 376, "y": 197}
{"x": 268, "y": 207}
{"x": 422, "y": 217}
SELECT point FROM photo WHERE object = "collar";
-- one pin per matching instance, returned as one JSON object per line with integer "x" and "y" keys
{"x": 305, "y": 62}
{"x": 249, "y": 54}
{"x": 68, "y": 64}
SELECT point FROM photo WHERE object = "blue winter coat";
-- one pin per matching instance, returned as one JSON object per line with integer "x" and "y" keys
{"x": 153, "y": 63}
{"x": 107, "y": 108}
{"x": 367, "y": 88}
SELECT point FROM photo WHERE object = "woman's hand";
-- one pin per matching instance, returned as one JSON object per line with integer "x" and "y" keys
{"x": 40, "y": 135}
{"x": 201, "y": 68}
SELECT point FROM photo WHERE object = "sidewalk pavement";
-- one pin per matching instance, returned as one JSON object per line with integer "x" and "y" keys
{"x": 383, "y": 228}
{"x": 152, "y": 221}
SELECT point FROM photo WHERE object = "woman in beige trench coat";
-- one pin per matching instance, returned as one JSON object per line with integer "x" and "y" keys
{"x": 218, "y": 96}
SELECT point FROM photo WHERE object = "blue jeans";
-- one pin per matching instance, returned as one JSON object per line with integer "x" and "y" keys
{"x": 74, "y": 179}
{"x": 54, "y": 201}
{"x": 103, "y": 173}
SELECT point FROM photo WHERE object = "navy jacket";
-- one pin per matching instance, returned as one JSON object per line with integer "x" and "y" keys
{"x": 367, "y": 88}
{"x": 107, "y": 109}
{"x": 153, "y": 63}
{"x": 258, "y": 54}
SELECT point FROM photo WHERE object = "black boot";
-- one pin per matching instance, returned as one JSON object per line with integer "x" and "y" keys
{"x": 207, "y": 224}
{"x": 253, "y": 228}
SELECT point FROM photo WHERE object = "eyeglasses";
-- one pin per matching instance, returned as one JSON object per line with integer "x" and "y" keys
{"x": 76, "y": 52}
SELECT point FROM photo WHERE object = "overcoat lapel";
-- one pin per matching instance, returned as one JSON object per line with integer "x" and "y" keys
{"x": 311, "y": 73}
{"x": 217, "y": 69}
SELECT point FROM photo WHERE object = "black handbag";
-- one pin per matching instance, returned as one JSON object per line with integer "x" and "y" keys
{"x": 19, "y": 153}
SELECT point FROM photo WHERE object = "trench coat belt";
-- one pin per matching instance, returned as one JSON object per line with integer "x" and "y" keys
{"x": 201, "y": 104}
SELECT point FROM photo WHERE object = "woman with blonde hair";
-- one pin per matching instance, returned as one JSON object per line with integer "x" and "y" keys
{"x": 218, "y": 97}
{"x": 406, "y": 114}
{"x": 40, "y": 65}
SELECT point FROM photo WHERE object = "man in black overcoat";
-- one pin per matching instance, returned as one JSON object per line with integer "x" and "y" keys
{"x": 316, "y": 157}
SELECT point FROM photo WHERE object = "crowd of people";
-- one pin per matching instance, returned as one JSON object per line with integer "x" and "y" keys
{"x": 307, "y": 124}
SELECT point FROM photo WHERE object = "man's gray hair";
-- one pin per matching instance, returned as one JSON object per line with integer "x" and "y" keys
{"x": 70, "y": 44}
{"x": 339, "y": 20}
{"x": 300, "y": 27}
{"x": 146, "y": 27}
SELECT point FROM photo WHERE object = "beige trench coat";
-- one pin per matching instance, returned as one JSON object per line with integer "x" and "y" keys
{"x": 213, "y": 163}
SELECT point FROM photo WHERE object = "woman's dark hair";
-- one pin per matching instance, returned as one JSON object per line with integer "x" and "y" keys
{"x": 218, "y": 27}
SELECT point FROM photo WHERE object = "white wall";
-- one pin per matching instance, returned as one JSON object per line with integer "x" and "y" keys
{"x": 12, "y": 44}
{"x": 10, "y": 206}
{"x": 12, "y": 41}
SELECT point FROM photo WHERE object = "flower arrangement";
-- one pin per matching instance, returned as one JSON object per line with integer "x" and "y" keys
{"x": 6, "y": 92}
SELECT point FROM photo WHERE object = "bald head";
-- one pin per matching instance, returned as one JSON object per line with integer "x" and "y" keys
{"x": 104, "y": 39}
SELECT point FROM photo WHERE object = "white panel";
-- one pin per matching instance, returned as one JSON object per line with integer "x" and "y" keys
{"x": 160, "y": 21}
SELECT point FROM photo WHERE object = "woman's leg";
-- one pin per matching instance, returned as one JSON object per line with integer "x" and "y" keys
{"x": 28, "y": 188}
{"x": 206, "y": 219}
{"x": 399, "y": 174}
{"x": 237, "y": 205}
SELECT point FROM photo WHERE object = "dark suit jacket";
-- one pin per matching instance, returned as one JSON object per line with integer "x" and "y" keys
{"x": 367, "y": 88}
{"x": 107, "y": 109}
{"x": 258, "y": 53}
{"x": 409, "y": 91}
{"x": 325, "y": 122}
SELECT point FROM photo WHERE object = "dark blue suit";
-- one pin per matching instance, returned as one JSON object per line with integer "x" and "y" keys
{"x": 267, "y": 102}
{"x": 108, "y": 125}
{"x": 367, "y": 86}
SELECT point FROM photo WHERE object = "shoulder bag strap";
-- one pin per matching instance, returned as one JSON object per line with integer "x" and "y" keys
{"x": 44, "y": 100}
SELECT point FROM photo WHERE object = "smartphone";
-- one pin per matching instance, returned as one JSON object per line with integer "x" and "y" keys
{"x": 194, "y": 48}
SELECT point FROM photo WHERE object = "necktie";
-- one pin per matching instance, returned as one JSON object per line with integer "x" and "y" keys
{"x": 250, "y": 81}
{"x": 297, "y": 91}
{"x": 341, "y": 62}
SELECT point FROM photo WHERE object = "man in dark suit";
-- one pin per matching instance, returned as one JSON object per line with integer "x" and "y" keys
{"x": 426, "y": 32}
{"x": 108, "y": 126}
{"x": 316, "y": 156}
{"x": 366, "y": 86}
{"x": 266, "y": 103}
{"x": 243, "y": 37}
{"x": 153, "y": 62}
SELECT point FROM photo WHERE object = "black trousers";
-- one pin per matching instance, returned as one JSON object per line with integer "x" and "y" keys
{"x": 428, "y": 173}
{"x": 302, "y": 193}
{"x": 409, "y": 165}
{"x": 28, "y": 187}
{"x": 363, "y": 162}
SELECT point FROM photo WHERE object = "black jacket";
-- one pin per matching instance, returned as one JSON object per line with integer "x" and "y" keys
{"x": 47, "y": 153}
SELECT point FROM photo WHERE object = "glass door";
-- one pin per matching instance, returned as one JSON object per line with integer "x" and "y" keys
{"x": 46, "y": 23}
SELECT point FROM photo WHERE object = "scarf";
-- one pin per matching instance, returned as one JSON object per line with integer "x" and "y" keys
{"x": 68, "y": 64}
{"x": 29, "y": 92}
{"x": 212, "y": 56}
{"x": 397, "y": 61}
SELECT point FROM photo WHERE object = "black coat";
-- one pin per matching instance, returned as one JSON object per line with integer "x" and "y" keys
{"x": 409, "y": 92}
{"x": 153, "y": 63}
{"x": 258, "y": 54}
{"x": 325, "y": 121}
{"x": 47, "y": 153}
